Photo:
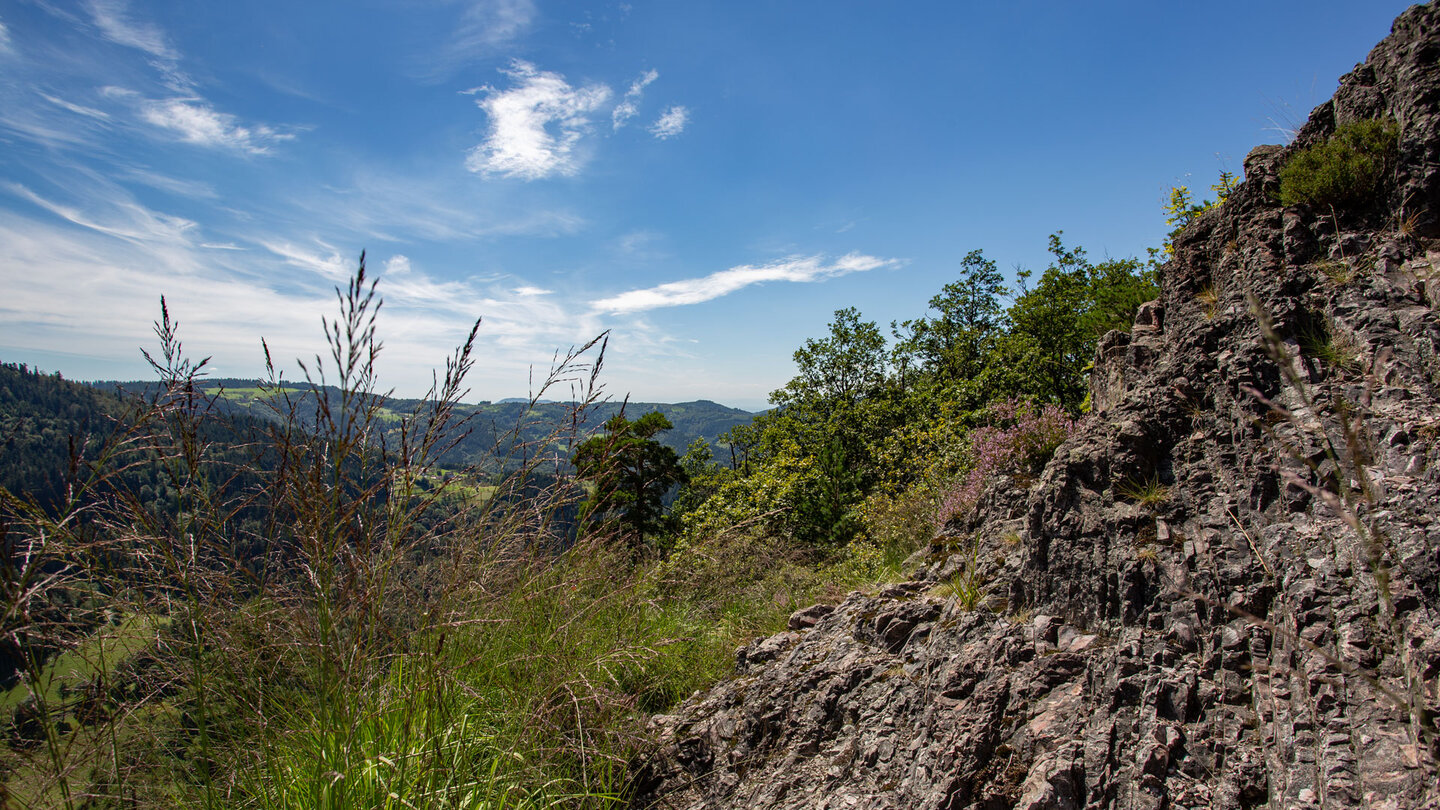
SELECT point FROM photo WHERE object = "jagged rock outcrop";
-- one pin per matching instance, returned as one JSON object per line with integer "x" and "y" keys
{"x": 1176, "y": 613}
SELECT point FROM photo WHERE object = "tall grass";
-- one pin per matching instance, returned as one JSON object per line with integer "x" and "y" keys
{"x": 367, "y": 645}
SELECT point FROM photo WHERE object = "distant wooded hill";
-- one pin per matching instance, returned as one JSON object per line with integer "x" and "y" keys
{"x": 45, "y": 421}
{"x": 500, "y": 430}
{"x": 49, "y": 424}
{"x": 53, "y": 431}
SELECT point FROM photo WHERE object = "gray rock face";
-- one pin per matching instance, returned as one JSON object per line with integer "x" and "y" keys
{"x": 1191, "y": 616}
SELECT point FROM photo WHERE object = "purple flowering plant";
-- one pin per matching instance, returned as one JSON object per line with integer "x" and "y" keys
{"x": 1021, "y": 438}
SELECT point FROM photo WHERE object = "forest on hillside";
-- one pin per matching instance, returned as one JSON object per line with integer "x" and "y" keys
{"x": 496, "y": 434}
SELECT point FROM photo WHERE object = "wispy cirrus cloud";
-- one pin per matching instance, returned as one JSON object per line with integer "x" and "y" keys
{"x": 194, "y": 189}
{"x": 329, "y": 265}
{"x": 121, "y": 217}
{"x": 195, "y": 121}
{"x": 483, "y": 29}
{"x": 5, "y": 43}
{"x": 378, "y": 203}
{"x": 184, "y": 113}
{"x": 629, "y": 105}
{"x": 535, "y": 125}
{"x": 670, "y": 123}
{"x": 51, "y": 130}
{"x": 78, "y": 109}
{"x": 84, "y": 280}
{"x": 113, "y": 19}
{"x": 724, "y": 282}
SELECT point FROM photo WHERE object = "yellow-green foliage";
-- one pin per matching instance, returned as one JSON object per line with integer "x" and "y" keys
{"x": 1331, "y": 345}
{"x": 1344, "y": 169}
{"x": 900, "y": 523}
{"x": 929, "y": 451}
{"x": 768, "y": 492}
{"x": 1147, "y": 492}
{"x": 1182, "y": 209}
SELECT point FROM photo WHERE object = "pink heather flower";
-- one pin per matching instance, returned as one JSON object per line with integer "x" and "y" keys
{"x": 1022, "y": 440}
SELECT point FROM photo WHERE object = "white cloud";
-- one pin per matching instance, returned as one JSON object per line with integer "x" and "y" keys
{"x": 78, "y": 109}
{"x": 5, "y": 44}
{"x": 487, "y": 24}
{"x": 483, "y": 30}
{"x": 724, "y": 282}
{"x": 185, "y": 114}
{"x": 629, "y": 106}
{"x": 96, "y": 298}
{"x": 534, "y": 126}
{"x": 640, "y": 244}
{"x": 84, "y": 271}
{"x": 623, "y": 112}
{"x": 397, "y": 265}
{"x": 49, "y": 128}
{"x": 111, "y": 17}
{"x": 638, "y": 86}
{"x": 333, "y": 266}
{"x": 197, "y": 122}
{"x": 528, "y": 291}
{"x": 122, "y": 219}
{"x": 670, "y": 123}
{"x": 378, "y": 203}
{"x": 173, "y": 185}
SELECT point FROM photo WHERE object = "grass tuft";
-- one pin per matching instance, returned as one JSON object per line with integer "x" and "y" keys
{"x": 1148, "y": 492}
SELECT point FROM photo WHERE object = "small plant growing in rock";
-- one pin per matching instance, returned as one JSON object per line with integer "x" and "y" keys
{"x": 1338, "y": 272}
{"x": 966, "y": 586}
{"x": 1209, "y": 300}
{"x": 1331, "y": 346}
{"x": 1405, "y": 224}
{"x": 1344, "y": 169}
{"x": 1149, "y": 492}
{"x": 1182, "y": 209}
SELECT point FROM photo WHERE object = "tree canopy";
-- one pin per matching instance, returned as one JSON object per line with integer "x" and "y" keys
{"x": 861, "y": 418}
{"x": 628, "y": 472}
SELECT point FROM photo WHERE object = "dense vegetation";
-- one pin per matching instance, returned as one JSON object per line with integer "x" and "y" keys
{"x": 317, "y": 613}
{"x": 1344, "y": 169}
{"x": 870, "y": 431}
{"x": 42, "y": 417}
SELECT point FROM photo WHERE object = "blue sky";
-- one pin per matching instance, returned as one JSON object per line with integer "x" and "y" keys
{"x": 707, "y": 180}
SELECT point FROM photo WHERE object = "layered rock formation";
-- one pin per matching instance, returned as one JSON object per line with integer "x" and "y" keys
{"x": 1221, "y": 593}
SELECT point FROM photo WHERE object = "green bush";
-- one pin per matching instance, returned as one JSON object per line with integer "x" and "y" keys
{"x": 1344, "y": 169}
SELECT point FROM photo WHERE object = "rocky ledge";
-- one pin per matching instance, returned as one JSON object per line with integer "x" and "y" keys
{"x": 1221, "y": 593}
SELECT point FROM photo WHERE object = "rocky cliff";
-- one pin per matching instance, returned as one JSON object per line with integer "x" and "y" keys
{"x": 1221, "y": 593}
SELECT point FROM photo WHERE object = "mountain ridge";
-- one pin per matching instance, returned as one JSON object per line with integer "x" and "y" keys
{"x": 491, "y": 423}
